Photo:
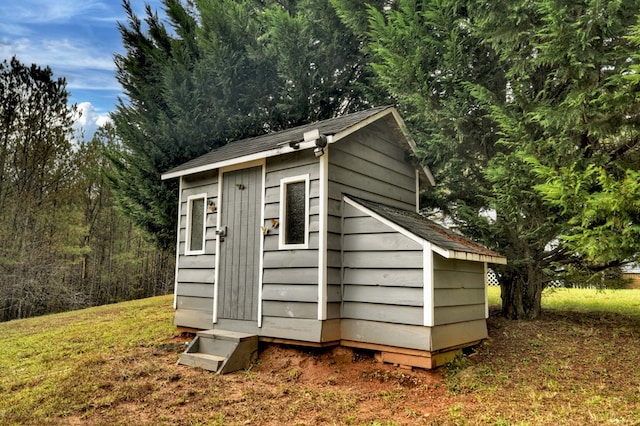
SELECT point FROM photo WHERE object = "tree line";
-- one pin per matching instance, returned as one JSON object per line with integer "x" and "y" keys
{"x": 63, "y": 242}
{"x": 526, "y": 112}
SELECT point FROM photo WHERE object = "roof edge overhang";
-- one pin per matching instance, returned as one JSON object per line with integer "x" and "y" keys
{"x": 302, "y": 144}
{"x": 448, "y": 254}
{"x": 292, "y": 146}
{"x": 425, "y": 172}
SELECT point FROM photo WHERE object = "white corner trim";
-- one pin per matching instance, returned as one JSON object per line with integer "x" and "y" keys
{"x": 262, "y": 236}
{"x": 175, "y": 284}
{"x": 417, "y": 191}
{"x": 486, "y": 291}
{"x": 428, "y": 284}
{"x": 322, "y": 243}
{"x": 216, "y": 273}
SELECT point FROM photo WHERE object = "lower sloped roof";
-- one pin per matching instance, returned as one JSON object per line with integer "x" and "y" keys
{"x": 447, "y": 243}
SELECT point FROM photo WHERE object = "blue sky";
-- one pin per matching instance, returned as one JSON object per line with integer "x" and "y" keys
{"x": 78, "y": 40}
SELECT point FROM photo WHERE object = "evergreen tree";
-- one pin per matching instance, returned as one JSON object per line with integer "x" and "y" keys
{"x": 226, "y": 70}
{"x": 525, "y": 109}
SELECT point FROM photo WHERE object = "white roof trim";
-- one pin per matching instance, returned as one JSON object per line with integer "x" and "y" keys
{"x": 448, "y": 254}
{"x": 360, "y": 125}
{"x": 282, "y": 149}
{"x": 286, "y": 148}
{"x": 390, "y": 224}
{"x": 412, "y": 144}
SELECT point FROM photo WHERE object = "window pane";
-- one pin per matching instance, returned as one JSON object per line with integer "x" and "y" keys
{"x": 196, "y": 241}
{"x": 295, "y": 220}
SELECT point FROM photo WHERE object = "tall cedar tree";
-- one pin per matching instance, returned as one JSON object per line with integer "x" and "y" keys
{"x": 522, "y": 109}
{"x": 225, "y": 70}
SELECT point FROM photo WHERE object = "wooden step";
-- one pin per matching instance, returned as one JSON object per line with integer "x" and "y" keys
{"x": 233, "y": 336}
{"x": 221, "y": 351}
{"x": 206, "y": 361}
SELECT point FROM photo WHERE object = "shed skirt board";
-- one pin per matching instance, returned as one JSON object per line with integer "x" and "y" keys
{"x": 400, "y": 335}
{"x": 434, "y": 339}
{"x": 458, "y": 334}
{"x": 302, "y": 330}
{"x": 238, "y": 276}
{"x": 191, "y": 318}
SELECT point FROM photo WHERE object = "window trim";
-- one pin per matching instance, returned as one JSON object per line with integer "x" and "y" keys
{"x": 282, "y": 245}
{"x": 189, "y": 225}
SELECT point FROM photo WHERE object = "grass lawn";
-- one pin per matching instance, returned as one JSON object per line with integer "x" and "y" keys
{"x": 115, "y": 364}
{"x": 626, "y": 302}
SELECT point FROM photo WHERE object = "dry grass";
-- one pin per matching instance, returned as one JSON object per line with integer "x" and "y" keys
{"x": 116, "y": 365}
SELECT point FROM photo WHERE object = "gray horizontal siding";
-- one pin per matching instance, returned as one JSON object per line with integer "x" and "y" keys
{"x": 195, "y": 287}
{"x": 382, "y": 276}
{"x": 460, "y": 313}
{"x": 459, "y": 293}
{"x": 192, "y": 319}
{"x": 379, "y": 241}
{"x": 204, "y": 276}
{"x": 371, "y": 165}
{"x": 365, "y": 225}
{"x": 407, "y": 296}
{"x": 297, "y": 310}
{"x": 456, "y": 334}
{"x": 458, "y": 296}
{"x": 290, "y": 309}
{"x": 196, "y": 290}
{"x": 290, "y": 277}
{"x": 375, "y": 277}
{"x": 382, "y": 259}
{"x": 383, "y": 313}
{"x": 202, "y": 304}
{"x": 384, "y": 333}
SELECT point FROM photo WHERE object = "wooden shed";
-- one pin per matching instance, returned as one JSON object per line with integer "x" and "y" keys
{"x": 312, "y": 236}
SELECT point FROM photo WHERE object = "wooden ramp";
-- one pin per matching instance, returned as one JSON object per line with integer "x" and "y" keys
{"x": 221, "y": 351}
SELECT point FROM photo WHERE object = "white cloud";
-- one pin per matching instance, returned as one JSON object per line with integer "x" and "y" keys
{"x": 88, "y": 121}
{"x": 77, "y": 40}
{"x": 38, "y": 11}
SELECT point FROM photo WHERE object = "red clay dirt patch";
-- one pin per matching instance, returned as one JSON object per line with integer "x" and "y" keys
{"x": 288, "y": 385}
{"x": 566, "y": 368}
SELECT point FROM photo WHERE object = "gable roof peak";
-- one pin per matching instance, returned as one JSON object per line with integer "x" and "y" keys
{"x": 289, "y": 140}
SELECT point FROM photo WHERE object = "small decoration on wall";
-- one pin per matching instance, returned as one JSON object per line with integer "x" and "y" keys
{"x": 212, "y": 206}
{"x": 274, "y": 223}
{"x": 240, "y": 186}
{"x": 264, "y": 229}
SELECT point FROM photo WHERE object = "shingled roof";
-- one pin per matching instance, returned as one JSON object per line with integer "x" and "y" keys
{"x": 450, "y": 244}
{"x": 281, "y": 142}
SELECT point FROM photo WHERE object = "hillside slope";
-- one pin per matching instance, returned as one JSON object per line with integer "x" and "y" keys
{"x": 115, "y": 364}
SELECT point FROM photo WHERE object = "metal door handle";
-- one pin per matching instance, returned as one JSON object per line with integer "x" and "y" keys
{"x": 221, "y": 232}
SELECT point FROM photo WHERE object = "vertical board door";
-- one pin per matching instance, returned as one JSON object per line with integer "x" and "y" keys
{"x": 240, "y": 246}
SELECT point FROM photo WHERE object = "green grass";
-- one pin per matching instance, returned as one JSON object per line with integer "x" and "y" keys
{"x": 48, "y": 362}
{"x": 115, "y": 365}
{"x": 619, "y": 301}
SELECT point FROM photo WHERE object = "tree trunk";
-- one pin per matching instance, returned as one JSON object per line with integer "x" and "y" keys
{"x": 521, "y": 292}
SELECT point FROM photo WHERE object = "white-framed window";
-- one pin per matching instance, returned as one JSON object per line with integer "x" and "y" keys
{"x": 196, "y": 224}
{"x": 294, "y": 212}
